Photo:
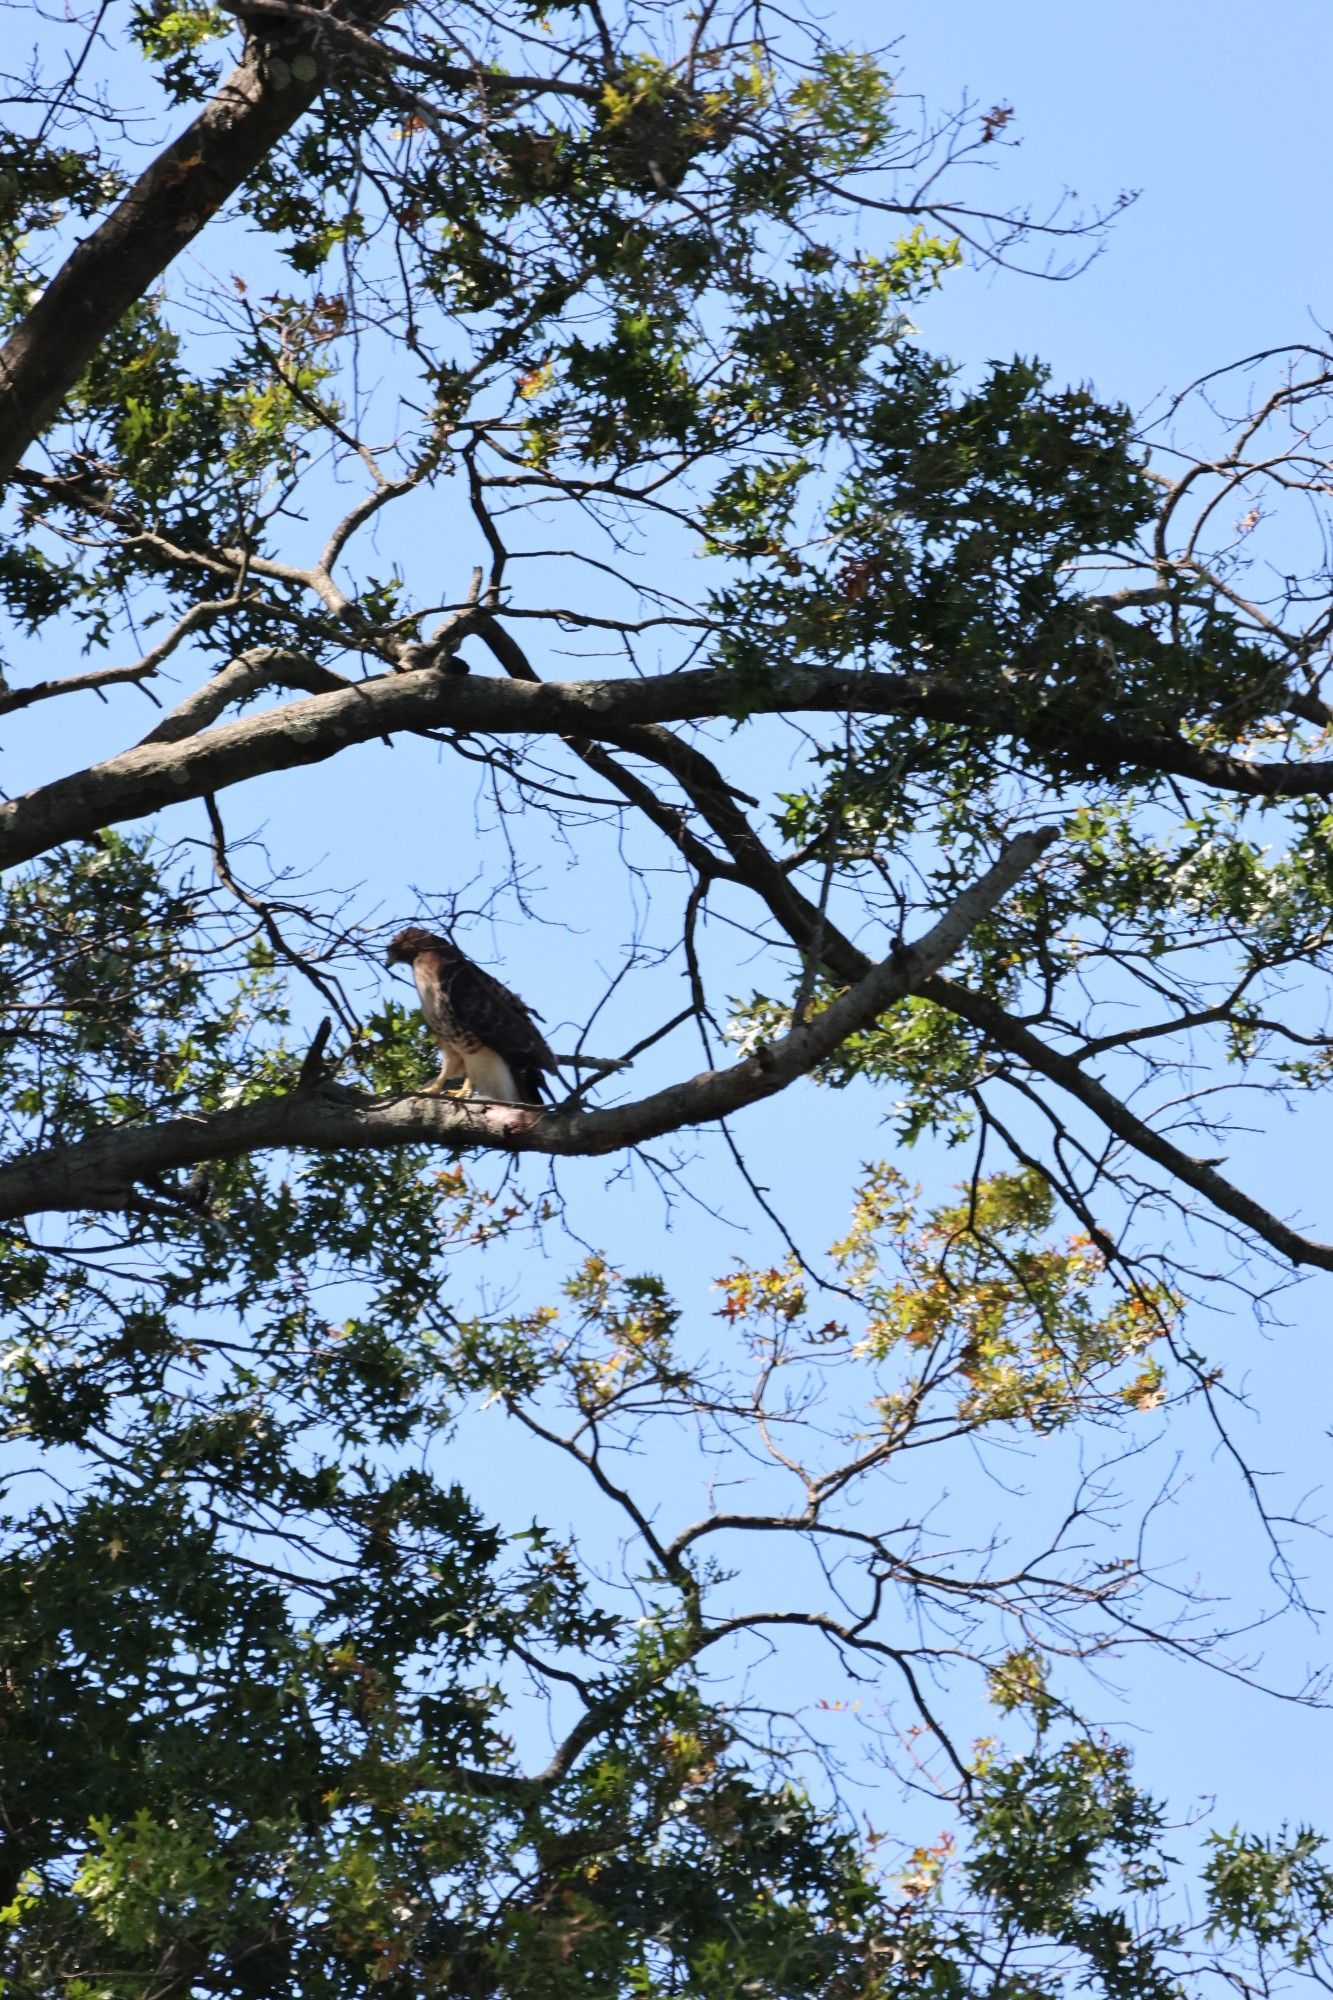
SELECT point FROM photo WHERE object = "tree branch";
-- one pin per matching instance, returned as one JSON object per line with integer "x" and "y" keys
{"x": 384, "y": 56}
{"x": 276, "y": 81}
{"x": 261, "y": 667}
{"x": 153, "y": 775}
{"x": 101, "y": 1171}
{"x": 1009, "y": 1034}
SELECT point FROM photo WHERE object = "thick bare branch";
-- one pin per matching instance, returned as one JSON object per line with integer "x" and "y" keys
{"x": 261, "y": 667}
{"x": 145, "y": 779}
{"x": 100, "y": 1172}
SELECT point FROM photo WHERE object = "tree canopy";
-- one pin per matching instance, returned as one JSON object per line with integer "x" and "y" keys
{"x": 953, "y": 737}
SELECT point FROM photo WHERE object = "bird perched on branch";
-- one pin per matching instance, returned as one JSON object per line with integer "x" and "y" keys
{"x": 490, "y": 1045}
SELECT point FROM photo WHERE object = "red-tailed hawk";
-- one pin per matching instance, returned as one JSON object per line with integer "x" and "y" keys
{"x": 489, "y": 1043}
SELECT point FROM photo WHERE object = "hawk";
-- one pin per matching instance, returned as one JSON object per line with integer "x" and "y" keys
{"x": 489, "y": 1042}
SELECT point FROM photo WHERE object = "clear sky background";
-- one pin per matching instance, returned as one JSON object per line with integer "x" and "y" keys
{"x": 1220, "y": 114}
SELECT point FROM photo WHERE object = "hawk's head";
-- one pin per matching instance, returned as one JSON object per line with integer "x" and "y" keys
{"x": 404, "y": 948}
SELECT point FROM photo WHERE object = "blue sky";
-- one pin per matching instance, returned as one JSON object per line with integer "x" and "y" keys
{"x": 1218, "y": 114}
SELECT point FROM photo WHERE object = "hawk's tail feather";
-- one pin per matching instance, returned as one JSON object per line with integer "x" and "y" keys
{"x": 532, "y": 1082}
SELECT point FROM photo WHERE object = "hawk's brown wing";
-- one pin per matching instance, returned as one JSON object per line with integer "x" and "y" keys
{"x": 499, "y": 1019}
